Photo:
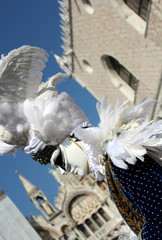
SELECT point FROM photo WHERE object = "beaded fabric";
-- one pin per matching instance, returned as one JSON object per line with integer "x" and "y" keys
{"x": 140, "y": 187}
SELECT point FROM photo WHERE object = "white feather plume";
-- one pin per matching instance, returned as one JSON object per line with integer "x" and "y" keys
{"x": 33, "y": 114}
{"x": 20, "y": 76}
{"x": 124, "y": 134}
{"x": 6, "y": 148}
{"x": 21, "y": 73}
{"x": 53, "y": 119}
{"x": 29, "y": 111}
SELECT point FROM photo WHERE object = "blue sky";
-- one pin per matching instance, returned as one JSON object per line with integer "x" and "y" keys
{"x": 35, "y": 23}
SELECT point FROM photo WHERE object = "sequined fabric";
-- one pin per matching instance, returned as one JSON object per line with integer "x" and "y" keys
{"x": 137, "y": 194}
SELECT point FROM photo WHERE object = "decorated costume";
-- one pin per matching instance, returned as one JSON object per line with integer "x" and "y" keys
{"x": 53, "y": 129}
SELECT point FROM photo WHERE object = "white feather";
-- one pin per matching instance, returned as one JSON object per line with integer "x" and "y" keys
{"x": 124, "y": 134}
{"x": 55, "y": 118}
{"x": 20, "y": 76}
{"x": 21, "y": 73}
{"x": 33, "y": 115}
{"x": 139, "y": 111}
{"x": 6, "y": 148}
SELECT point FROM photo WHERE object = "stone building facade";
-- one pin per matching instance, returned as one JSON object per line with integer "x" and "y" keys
{"x": 84, "y": 210}
{"x": 114, "y": 47}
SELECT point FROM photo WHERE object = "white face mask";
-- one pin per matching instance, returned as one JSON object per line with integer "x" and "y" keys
{"x": 69, "y": 157}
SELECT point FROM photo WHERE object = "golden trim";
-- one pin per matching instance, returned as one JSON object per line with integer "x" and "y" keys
{"x": 140, "y": 234}
{"x": 87, "y": 167}
{"x": 128, "y": 211}
{"x": 81, "y": 149}
{"x": 75, "y": 143}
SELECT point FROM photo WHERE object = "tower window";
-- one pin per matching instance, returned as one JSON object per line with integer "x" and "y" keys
{"x": 124, "y": 73}
{"x": 139, "y": 6}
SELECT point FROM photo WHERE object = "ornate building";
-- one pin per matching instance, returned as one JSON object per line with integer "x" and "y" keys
{"x": 114, "y": 47}
{"x": 84, "y": 210}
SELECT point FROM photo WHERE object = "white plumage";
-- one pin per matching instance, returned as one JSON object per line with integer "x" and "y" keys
{"x": 124, "y": 134}
{"x": 34, "y": 115}
{"x": 21, "y": 73}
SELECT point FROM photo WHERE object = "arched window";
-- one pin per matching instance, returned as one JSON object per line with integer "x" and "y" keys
{"x": 83, "y": 230}
{"x": 44, "y": 205}
{"x": 96, "y": 218}
{"x": 140, "y": 7}
{"x": 124, "y": 73}
{"x": 90, "y": 224}
{"x": 104, "y": 214}
{"x": 120, "y": 76}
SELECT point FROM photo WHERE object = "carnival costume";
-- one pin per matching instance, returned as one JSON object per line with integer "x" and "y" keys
{"x": 53, "y": 129}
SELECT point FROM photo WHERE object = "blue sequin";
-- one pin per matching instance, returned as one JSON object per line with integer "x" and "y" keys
{"x": 142, "y": 185}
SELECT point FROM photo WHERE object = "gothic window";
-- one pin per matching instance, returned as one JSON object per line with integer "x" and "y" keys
{"x": 139, "y": 6}
{"x": 103, "y": 214}
{"x": 124, "y": 73}
{"x": 83, "y": 230}
{"x": 45, "y": 205}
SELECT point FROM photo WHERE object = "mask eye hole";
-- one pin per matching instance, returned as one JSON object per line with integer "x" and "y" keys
{"x": 59, "y": 162}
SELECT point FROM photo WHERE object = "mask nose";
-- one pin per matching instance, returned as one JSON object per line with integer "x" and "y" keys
{"x": 57, "y": 159}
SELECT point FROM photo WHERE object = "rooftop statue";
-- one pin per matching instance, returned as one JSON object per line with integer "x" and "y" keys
{"x": 125, "y": 146}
